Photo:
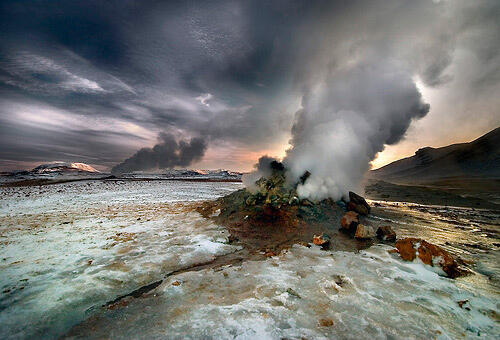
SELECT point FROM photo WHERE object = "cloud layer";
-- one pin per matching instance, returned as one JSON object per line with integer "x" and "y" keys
{"x": 96, "y": 81}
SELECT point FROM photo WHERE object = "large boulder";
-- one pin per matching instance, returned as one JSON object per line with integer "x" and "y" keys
{"x": 385, "y": 233}
{"x": 349, "y": 221}
{"x": 358, "y": 204}
{"x": 364, "y": 232}
{"x": 410, "y": 248}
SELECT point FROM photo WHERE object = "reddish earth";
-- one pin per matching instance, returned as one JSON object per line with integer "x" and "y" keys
{"x": 268, "y": 230}
{"x": 410, "y": 248}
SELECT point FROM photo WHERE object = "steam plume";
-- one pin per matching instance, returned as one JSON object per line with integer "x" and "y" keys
{"x": 166, "y": 154}
{"x": 261, "y": 169}
{"x": 345, "y": 120}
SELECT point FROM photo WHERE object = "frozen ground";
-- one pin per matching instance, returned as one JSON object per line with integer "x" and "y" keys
{"x": 67, "y": 249}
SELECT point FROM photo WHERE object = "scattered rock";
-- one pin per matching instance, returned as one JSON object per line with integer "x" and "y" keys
{"x": 339, "y": 280}
{"x": 251, "y": 201}
{"x": 350, "y": 220}
{"x": 306, "y": 202}
{"x": 232, "y": 239}
{"x": 364, "y": 232}
{"x": 304, "y": 244}
{"x": 294, "y": 200}
{"x": 269, "y": 253}
{"x": 462, "y": 303}
{"x": 321, "y": 240}
{"x": 430, "y": 254}
{"x": 176, "y": 283}
{"x": 325, "y": 322}
{"x": 385, "y": 233}
{"x": 293, "y": 293}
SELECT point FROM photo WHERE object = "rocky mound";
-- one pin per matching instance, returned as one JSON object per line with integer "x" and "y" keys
{"x": 273, "y": 217}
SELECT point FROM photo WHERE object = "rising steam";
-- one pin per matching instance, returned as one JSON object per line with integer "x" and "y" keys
{"x": 261, "y": 169}
{"x": 168, "y": 153}
{"x": 345, "y": 120}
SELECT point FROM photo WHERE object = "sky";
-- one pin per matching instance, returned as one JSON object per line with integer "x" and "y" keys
{"x": 96, "y": 81}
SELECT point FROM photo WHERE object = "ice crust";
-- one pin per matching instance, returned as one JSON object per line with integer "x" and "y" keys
{"x": 367, "y": 295}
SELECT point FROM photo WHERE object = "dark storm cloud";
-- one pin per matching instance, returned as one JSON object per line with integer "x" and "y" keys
{"x": 221, "y": 70}
{"x": 167, "y": 154}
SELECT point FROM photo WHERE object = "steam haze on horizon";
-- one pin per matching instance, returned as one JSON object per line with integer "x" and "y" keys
{"x": 217, "y": 84}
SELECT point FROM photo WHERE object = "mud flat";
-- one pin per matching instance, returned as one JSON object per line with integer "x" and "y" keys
{"x": 430, "y": 195}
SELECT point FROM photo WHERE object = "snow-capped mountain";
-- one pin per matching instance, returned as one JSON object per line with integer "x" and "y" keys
{"x": 63, "y": 167}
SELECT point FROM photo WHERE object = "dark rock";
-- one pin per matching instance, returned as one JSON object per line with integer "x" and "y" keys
{"x": 293, "y": 293}
{"x": 385, "y": 233}
{"x": 304, "y": 177}
{"x": 361, "y": 209}
{"x": 358, "y": 200}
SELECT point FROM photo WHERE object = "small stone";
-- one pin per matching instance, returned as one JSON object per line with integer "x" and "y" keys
{"x": 304, "y": 244}
{"x": 269, "y": 253}
{"x": 251, "y": 200}
{"x": 385, "y": 233}
{"x": 232, "y": 239}
{"x": 293, "y": 293}
{"x": 321, "y": 240}
{"x": 325, "y": 322}
{"x": 176, "y": 283}
{"x": 364, "y": 232}
{"x": 461, "y": 303}
{"x": 350, "y": 220}
{"x": 306, "y": 202}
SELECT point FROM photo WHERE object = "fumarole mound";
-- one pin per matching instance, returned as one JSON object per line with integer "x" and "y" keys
{"x": 273, "y": 217}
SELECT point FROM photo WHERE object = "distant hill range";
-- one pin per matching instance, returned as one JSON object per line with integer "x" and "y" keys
{"x": 474, "y": 160}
